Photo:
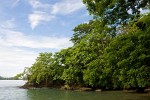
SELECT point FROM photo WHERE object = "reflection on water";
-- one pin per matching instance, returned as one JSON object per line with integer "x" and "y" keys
{"x": 55, "y": 94}
{"x": 10, "y": 91}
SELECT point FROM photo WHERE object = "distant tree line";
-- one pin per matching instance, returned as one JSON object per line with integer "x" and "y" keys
{"x": 6, "y": 78}
{"x": 111, "y": 51}
{"x": 16, "y": 77}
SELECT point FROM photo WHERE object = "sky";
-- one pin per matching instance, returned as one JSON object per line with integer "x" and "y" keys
{"x": 29, "y": 27}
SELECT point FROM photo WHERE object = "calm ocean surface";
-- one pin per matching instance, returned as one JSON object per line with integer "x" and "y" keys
{"x": 9, "y": 91}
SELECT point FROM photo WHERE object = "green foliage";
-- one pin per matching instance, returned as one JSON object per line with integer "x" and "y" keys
{"x": 40, "y": 72}
{"x": 128, "y": 57}
{"x": 81, "y": 31}
{"x": 19, "y": 76}
{"x": 71, "y": 76}
{"x": 116, "y": 11}
{"x": 6, "y": 78}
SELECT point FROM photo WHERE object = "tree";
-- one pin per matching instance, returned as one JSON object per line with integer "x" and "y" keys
{"x": 40, "y": 71}
{"x": 127, "y": 57}
{"x": 81, "y": 31}
{"x": 60, "y": 64}
{"x": 115, "y": 12}
{"x": 71, "y": 73}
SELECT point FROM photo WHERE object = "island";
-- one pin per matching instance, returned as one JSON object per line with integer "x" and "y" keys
{"x": 110, "y": 52}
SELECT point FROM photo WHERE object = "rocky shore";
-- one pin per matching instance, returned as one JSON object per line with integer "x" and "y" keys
{"x": 76, "y": 88}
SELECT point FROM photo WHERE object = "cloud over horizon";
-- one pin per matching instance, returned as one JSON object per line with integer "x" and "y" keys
{"x": 13, "y": 60}
{"x": 16, "y": 48}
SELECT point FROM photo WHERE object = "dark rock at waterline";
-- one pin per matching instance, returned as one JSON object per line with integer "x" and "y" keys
{"x": 28, "y": 86}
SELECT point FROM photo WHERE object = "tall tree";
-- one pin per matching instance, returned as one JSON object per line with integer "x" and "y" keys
{"x": 116, "y": 11}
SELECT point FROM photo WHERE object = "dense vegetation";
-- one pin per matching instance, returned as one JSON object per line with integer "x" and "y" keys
{"x": 112, "y": 51}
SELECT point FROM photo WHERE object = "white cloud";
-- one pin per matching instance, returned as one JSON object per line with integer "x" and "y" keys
{"x": 67, "y": 6}
{"x": 43, "y": 12}
{"x": 37, "y": 4}
{"x": 8, "y": 24}
{"x": 62, "y": 7}
{"x": 18, "y": 39}
{"x": 13, "y": 56}
{"x": 16, "y": 49}
{"x": 13, "y": 60}
{"x": 39, "y": 14}
{"x": 37, "y": 17}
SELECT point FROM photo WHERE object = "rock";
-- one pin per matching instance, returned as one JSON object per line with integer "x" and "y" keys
{"x": 147, "y": 90}
{"x": 85, "y": 89}
{"x": 98, "y": 90}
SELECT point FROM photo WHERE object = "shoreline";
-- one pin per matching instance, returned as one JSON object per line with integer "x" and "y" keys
{"x": 75, "y": 88}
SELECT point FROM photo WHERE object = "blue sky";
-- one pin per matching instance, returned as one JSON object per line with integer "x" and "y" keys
{"x": 32, "y": 26}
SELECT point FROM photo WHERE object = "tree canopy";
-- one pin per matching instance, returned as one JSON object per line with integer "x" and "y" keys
{"x": 116, "y": 11}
